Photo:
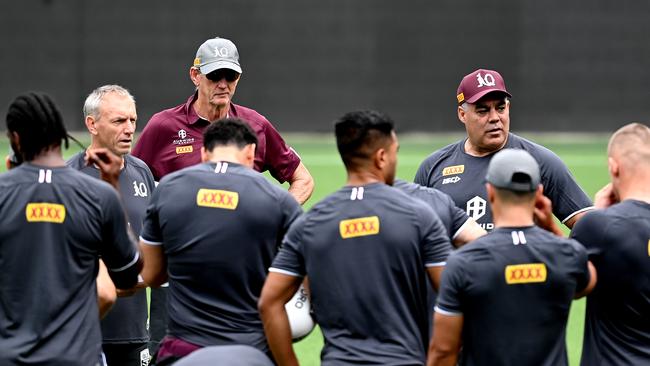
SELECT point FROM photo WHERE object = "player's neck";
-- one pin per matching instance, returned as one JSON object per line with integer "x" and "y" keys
{"x": 95, "y": 145}
{"x": 362, "y": 178}
{"x": 512, "y": 216}
{"x": 638, "y": 192}
{"x": 49, "y": 158}
{"x": 211, "y": 112}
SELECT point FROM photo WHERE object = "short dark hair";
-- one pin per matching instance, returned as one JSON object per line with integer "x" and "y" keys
{"x": 360, "y": 133}
{"x": 38, "y": 122}
{"x": 228, "y": 131}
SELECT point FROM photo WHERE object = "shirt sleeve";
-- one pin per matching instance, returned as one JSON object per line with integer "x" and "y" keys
{"x": 452, "y": 286}
{"x": 151, "y": 231}
{"x": 118, "y": 249}
{"x": 148, "y": 146}
{"x": 581, "y": 269}
{"x": 589, "y": 232}
{"x": 458, "y": 216}
{"x": 290, "y": 259}
{"x": 280, "y": 160}
{"x": 422, "y": 175}
{"x": 435, "y": 240}
{"x": 560, "y": 186}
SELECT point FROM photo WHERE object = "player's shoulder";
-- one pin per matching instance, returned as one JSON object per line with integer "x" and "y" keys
{"x": 139, "y": 165}
{"x": 250, "y": 115}
{"x": 77, "y": 161}
{"x": 541, "y": 153}
{"x": 428, "y": 194}
{"x": 160, "y": 119}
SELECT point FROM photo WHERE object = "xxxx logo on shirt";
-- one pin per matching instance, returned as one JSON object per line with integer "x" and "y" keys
{"x": 45, "y": 212}
{"x": 217, "y": 199}
{"x": 361, "y": 226}
{"x": 453, "y": 170}
{"x": 184, "y": 149}
{"x": 525, "y": 273}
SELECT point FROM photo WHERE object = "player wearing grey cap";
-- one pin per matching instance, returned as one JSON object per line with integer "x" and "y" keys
{"x": 214, "y": 229}
{"x": 506, "y": 296}
{"x": 172, "y": 138}
{"x": 617, "y": 237}
{"x": 110, "y": 116}
{"x": 367, "y": 250}
{"x": 459, "y": 169}
{"x": 53, "y": 228}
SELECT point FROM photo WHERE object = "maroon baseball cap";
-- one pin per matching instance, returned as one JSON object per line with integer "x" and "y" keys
{"x": 479, "y": 83}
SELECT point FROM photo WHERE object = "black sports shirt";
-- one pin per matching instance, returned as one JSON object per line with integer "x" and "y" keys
{"x": 462, "y": 176}
{"x": 54, "y": 225}
{"x": 219, "y": 225}
{"x": 127, "y": 320}
{"x": 365, "y": 250}
{"x": 617, "y": 325}
{"x": 514, "y": 289}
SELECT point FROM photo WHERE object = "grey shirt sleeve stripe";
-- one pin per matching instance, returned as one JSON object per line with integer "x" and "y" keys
{"x": 149, "y": 242}
{"x": 446, "y": 312}
{"x": 135, "y": 259}
{"x": 460, "y": 229}
{"x": 577, "y": 212}
{"x": 285, "y": 272}
{"x": 438, "y": 264}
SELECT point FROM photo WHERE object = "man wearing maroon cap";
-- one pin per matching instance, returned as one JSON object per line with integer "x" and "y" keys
{"x": 172, "y": 139}
{"x": 459, "y": 169}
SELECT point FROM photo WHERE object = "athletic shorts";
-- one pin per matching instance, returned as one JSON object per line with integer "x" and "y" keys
{"x": 126, "y": 354}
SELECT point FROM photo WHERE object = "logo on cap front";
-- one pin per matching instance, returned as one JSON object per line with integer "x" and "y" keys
{"x": 525, "y": 273}
{"x": 221, "y": 52}
{"x": 486, "y": 80}
{"x": 361, "y": 226}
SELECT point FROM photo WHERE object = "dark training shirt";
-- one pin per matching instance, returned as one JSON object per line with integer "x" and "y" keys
{"x": 514, "y": 288}
{"x": 127, "y": 320}
{"x": 452, "y": 217}
{"x": 617, "y": 325}
{"x": 54, "y": 224}
{"x": 219, "y": 225}
{"x": 462, "y": 176}
{"x": 365, "y": 250}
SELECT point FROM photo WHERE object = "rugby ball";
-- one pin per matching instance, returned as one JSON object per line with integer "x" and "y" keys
{"x": 299, "y": 313}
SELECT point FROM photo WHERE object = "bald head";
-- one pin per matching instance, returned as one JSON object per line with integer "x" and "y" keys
{"x": 630, "y": 145}
{"x": 629, "y": 162}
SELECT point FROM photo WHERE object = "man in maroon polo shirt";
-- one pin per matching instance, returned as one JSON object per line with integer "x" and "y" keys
{"x": 172, "y": 139}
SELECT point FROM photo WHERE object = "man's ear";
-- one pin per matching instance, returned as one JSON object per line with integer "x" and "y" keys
{"x": 490, "y": 193}
{"x": 381, "y": 156}
{"x": 461, "y": 114}
{"x": 90, "y": 125}
{"x": 204, "y": 155}
{"x": 194, "y": 75}
{"x": 249, "y": 155}
{"x": 613, "y": 167}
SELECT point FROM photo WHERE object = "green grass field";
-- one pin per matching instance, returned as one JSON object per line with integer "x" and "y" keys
{"x": 585, "y": 156}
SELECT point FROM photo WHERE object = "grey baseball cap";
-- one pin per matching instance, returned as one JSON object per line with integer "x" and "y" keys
{"x": 217, "y": 53}
{"x": 514, "y": 170}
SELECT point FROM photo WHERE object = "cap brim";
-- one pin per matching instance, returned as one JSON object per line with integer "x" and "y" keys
{"x": 485, "y": 92}
{"x": 210, "y": 67}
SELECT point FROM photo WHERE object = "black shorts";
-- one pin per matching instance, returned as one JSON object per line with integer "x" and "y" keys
{"x": 126, "y": 354}
{"x": 157, "y": 317}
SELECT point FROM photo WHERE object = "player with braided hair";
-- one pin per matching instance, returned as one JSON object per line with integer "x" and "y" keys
{"x": 53, "y": 230}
